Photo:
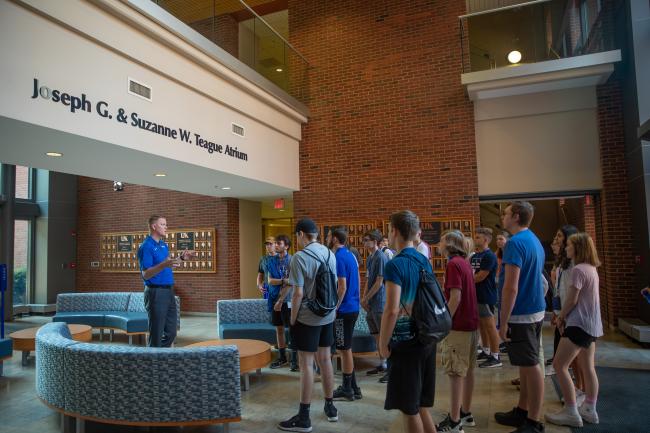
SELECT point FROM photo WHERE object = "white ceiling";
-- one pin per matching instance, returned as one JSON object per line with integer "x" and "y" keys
{"x": 25, "y": 144}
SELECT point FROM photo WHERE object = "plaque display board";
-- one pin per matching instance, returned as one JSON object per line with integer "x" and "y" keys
{"x": 355, "y": 237}
{"x": 431, "y": 232}
{"x": 118, "y": 250}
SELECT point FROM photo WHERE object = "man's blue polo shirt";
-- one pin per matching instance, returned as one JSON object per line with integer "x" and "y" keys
{"x": 152, "y": 253}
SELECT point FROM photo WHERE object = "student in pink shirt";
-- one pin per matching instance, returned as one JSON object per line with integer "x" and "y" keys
{"x": 580, "y": 324}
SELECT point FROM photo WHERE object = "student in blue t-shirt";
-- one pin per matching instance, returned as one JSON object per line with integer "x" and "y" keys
{"x": 347, "y": 312}
{"x": 412, "y": 370}
{"x": 484, "y": 263}
{"x": 522, "y": 313}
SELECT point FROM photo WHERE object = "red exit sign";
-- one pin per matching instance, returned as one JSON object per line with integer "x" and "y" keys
{"x": 278, "y": 204}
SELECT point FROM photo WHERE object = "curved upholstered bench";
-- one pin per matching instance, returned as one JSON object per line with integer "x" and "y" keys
{"x": 6, "y": 351}
{"x": 131, "y": 385}
{"x": 123, "y": 311}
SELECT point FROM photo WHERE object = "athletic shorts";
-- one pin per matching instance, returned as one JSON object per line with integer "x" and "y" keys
{"x": 523, "y": 347}
{"x": 411, "y": 376}
{"x": 374, "y": 322}
{"x": 309, "y": 338}
{"x": 344, "y": 328}
{"x": 486, "y": 310}
{"x": 578, "y": 336}
{"x": 282, "y": 317}
{"x": 458, "y": 353}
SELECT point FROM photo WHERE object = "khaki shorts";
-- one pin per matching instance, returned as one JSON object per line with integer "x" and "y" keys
{"x": 459, "y": 352}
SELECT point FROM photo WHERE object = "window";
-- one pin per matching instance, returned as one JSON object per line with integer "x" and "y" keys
{"x": 22, "y": 261}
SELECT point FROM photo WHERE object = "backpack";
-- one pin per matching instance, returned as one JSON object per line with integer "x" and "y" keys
{"x": 430, "y": 312}
{"x": 325, "y": 287}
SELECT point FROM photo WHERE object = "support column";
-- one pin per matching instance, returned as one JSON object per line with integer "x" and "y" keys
{"x": 7, "y": 215}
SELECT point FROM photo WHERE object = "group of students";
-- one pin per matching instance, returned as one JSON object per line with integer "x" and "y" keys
{"x": 476, "y": 282}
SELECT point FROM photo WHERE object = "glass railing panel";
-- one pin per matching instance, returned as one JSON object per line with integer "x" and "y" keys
{"x": 538, "y": 30}
{"x": 255, "y": 32}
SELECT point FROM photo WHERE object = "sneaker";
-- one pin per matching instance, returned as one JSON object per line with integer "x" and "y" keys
{"x": 514, "y": 418}
{"x": 296, "y": 424}
{"x": 549, "y": 371}
{"x": 376, "y": 370}
{"x": 294, "y": 367}
{"x": 447, "y": 425}
{"x": 503, "y": 348}
{"x": 565, "y": 417}
{"x": 580, "y": 397}
{"x": 357, "y": 393}
{"x": 384, "y": 378}
{"x": 280, "y": 362}
{"x": 331, "y": 413}
{"x": 467, "y": 419}
{"x": 530, "y": 426}
{"x": 482, "y": 356}
{"x": 491, "y": 362}
{"x": 515, "y": 381}
{"x": 549, "y": 362}
{"x": 341, "y": 393}
{"x": 588, "y": 414}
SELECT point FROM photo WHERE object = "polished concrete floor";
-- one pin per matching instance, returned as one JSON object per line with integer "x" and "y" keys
{"x": 275, "y": 397}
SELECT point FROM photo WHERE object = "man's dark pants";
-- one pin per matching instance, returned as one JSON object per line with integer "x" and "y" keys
{"x": 160, "y": 304}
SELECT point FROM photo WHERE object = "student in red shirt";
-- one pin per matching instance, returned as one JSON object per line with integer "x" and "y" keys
{"x": 459, "y": 348}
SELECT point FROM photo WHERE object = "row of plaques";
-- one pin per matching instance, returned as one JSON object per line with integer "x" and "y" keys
{"x": 118, "y": 251}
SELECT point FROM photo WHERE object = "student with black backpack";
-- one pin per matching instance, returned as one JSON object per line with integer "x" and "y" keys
{"x": 408, "y": 336}
{"x": 312, "y": 273}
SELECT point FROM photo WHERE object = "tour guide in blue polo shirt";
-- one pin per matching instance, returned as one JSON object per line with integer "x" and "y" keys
{"x": 155, "y": 267}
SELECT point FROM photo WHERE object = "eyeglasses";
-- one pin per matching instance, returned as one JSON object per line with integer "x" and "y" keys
{"x": 268, "y": 243}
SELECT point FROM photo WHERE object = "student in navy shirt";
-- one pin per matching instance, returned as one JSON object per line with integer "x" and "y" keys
{"x": 277, "y": 267}
{"x": 347, "y": 312}
{"x": 159, "y": 299}
{"x": 412, "y": 371}
{"x": 522, "y": 313}
{"x": 484, "y": 263}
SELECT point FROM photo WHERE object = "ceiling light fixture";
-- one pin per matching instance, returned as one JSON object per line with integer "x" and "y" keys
{"x": 225, "y": 188}
{"x": 160, "y": 175}
{"x": 279, "y": 69}
{"x": 54, "y": 154}
{"x": 514, "y": 57}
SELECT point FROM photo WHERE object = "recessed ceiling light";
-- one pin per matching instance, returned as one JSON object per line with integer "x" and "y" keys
{"x": 160, "y": 175}
{"x": 225, "y": 188}
{"x": 54, "y": 154}
{"x": 514, "y": 57}
{"x": 281, "y": 210}
{"x": 278, "y": 69}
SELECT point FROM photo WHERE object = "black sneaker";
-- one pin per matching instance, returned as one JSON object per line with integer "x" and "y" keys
{"x": 467, "y": 419}
{"x": 294, "y": 367}
{"x": 549, "y": 362}
{"x": 447, "y": 425}
{"x": 384, "y": 378}
{"x": 331, "y": 413}
{"x": 530, "y": 426}
{"x": 514, "y": 418}
{"x": 503, "y": 348}
{"x": 280, "y": 362}
{"x": 357, "y": 393}
{"x": 482, "y": 356}
{"x": 491, "y": 362}
{"x": 296, "y": 424}
{"x": 341, "y": 393}
{"x": 376, "y": 370}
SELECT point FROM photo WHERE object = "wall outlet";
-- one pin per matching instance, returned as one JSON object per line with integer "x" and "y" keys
{"x": 94, "y": 265}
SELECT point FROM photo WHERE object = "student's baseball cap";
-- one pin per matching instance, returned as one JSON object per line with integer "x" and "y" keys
{"x": 306, "y": 225}
{"x": 269, "y": 240}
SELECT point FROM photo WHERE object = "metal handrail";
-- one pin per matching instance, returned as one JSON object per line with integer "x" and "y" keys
{"x": 274, "y": 31}
{"x": 502, "y": 8}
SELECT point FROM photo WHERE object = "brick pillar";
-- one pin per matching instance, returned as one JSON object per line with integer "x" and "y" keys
{"x": 614, "y": 215}
{"x": 589, "y": 215}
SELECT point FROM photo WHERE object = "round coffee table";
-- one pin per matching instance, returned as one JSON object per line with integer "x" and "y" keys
{"x": 253, "y": 355}
{"x": 25, "y": 339}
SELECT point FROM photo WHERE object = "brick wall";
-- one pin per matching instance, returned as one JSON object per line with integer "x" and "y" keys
{"x": 619, "y": 292}
{"x": 103, "y": 210}
{"x": 391, "y": 127}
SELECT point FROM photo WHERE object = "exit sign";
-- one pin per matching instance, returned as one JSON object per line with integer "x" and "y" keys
{"x": 278, "y": 204}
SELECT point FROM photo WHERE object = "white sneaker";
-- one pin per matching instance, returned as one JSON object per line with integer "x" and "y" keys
{"x": 588, "y": 414}
{"x": 565, "y": 417}
{"x": 550, "y": 371}
{"x": 580, "y": 397}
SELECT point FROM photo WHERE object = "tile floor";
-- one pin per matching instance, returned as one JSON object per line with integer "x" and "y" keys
{"x": 276, "y": 396}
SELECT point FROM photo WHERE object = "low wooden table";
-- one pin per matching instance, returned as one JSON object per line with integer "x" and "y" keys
{"x": 253, "y": 355}
{"x": 25, "y": 340}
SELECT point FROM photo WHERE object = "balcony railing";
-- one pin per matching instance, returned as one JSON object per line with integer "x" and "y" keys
{"x": 537, "y": 30}
{"x": 257, "y": 36}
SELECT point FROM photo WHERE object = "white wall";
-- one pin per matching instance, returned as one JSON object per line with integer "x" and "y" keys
{"x": 250, "y": 241}
{"x": 78, "y": 47}
{"x": 538, "y": 143}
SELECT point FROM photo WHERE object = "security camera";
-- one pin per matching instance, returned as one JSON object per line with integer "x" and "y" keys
{"x": 118, "y": 186}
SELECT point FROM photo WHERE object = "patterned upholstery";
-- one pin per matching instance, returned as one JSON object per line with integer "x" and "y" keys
{"x": 242, "y": 311}
{"x": 137, "y": 384}
{"x": 122, "y": 310}
{"x": 6, "y": 347}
